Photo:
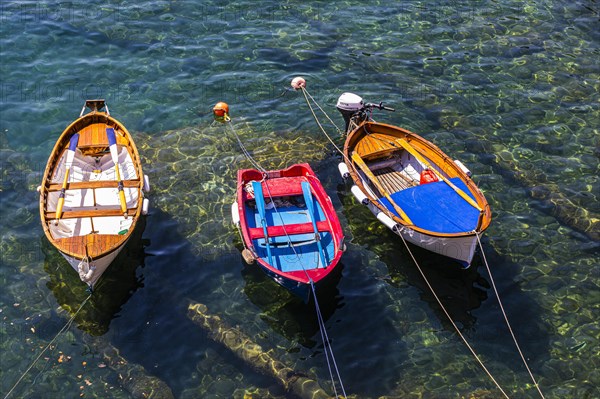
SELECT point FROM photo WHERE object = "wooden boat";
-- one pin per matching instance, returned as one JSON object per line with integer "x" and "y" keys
{"x": 410, "y": 185}
{"x": 288, "y": 225}
{"x": 91, "y": 196}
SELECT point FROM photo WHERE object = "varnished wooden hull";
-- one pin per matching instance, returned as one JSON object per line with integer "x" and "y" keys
{"x": 92, "y": 225}
{"x": 397, "y": 172}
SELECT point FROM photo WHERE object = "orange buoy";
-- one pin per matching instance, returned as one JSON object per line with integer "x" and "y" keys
{"x": 221, "y": 112}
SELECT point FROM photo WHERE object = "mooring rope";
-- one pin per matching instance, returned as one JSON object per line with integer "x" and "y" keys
{"x": 452, "y": 320}
{"x": 506, "y": 318}
{"x": 243, "y": 148}
{"x": 62, "y": 330}
{"x": 307, "y": 94}
{"x": 413, "y": 258}
{"x": 324, "y": 336}
{"x": 306, "y": 97}
{"x": 327, "y": 345}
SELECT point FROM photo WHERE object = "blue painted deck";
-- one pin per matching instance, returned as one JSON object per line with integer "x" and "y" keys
{"x": 437, "y": 207}
{"x": 284, "y": 258}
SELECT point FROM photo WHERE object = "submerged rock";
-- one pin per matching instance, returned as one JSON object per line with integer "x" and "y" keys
{"x": 253, "y": 354}
{"x": 193, "y": 174}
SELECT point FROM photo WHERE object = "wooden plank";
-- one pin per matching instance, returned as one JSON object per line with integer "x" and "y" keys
{"x": 93, "y": 135}
{"x": 361, "y": 164}
{"x": 90, "y": 213}
{"x": 394, "y": 180}
{"x": 282, "y": 186}
{"x": 375, "y": 145}
{"x": 397, "y": 181}
{"x": 400, "y": 183}
{"x": 95, "y": 184}
{"x": 409, "y": 182}
{"x": 94, "y": 244}
{"x": 385, "y": 181}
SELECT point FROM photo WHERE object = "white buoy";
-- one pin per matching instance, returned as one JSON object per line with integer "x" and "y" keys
{"x": 343, "y": 168}
{"x": 298, "y": 82}
{"x": 359, "y": 195}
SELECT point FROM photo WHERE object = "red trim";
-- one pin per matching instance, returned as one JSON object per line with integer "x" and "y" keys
{"x": 290, "y": 229}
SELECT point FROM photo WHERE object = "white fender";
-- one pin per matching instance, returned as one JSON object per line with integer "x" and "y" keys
{"x": 85, "y": 271}
{"x": 359, "y": 195}
{"x": 39, "y": 189}
{"x": 145, "y": 206}
{"x": 146, "y": 187}
{"x": 235, "y": 213}
{"x": 463, "y": 167}
{"x": 388, "y": 221}
{"x": 344, "y": 172}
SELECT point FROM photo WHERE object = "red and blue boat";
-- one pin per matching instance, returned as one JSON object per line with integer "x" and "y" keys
{"x": 289, "y": 226}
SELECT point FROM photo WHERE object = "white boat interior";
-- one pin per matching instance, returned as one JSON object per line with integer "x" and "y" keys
{"x": 94, "y": 197}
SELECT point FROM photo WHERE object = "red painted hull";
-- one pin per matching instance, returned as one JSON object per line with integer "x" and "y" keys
{"x": 281, "y": 185}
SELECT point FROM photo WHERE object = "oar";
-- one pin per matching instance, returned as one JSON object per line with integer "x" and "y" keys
{"x": 260, "y": 206}
{"x": 308, "y": 198}
{"x": 420, "y": 158}
{"x": 361, "y": 164}
{"x": 68, "y": 165}
{"x": 112, "y": 142}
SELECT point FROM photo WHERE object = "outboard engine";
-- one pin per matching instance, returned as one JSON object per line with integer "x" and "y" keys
{"x": 348, "y": 104}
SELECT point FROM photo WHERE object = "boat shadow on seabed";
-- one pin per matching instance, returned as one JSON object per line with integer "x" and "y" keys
{"x": 287, "y": 314}
{"x": 115, "y": 287}
{"x": 462, "y": 291}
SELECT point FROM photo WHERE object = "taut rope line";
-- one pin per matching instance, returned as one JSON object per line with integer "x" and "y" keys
{"x": 243, "y": 148}
{"x": 306, "y": 96}
{"x": 325, "y": 338}
{"x": 300, "y": 84}
{"x": 506, "y": 319}
{"x": 322, "y": 329}
{"x": 452, "y": 321}
{"x": 62, "y": 330}
{"x": 327, "y": 345}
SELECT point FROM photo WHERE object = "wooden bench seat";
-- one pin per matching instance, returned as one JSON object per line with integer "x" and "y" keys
{"x": 284, "y": 186}
{"x": 95, "y": 184}
{"x": 291, "y": 229}
{"x": 84, "y": 213}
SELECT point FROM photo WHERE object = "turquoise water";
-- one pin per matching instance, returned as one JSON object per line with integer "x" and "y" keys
{"x": 510, "y": 88}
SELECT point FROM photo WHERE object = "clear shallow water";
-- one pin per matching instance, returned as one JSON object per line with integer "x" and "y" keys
{"x": 511, "y": 89}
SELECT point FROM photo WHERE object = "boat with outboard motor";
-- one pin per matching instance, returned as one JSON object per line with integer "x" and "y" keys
{"x": 92, "y": 193}
{"x": 410, "y": 185}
